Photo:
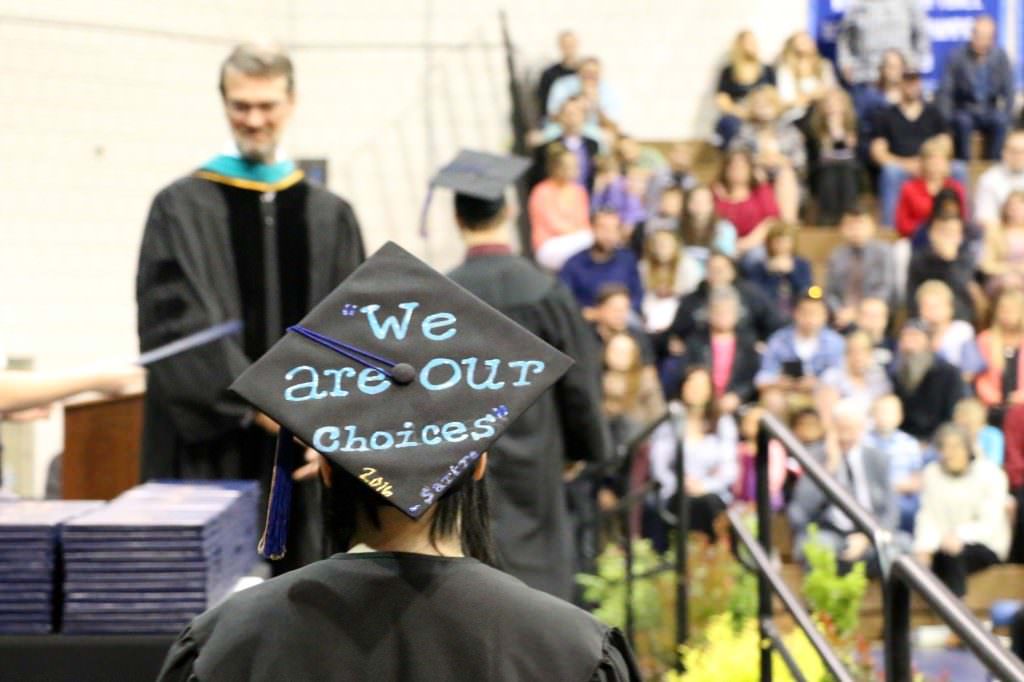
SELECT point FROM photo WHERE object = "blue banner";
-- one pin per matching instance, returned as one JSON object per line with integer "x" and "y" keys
{"x": 949, "y": 25}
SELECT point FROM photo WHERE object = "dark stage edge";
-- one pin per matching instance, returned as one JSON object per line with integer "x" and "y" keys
{"x": 82, "y": 658}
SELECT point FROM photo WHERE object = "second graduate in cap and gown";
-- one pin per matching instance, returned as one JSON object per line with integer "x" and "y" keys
{"x": 532, "y": 525}
{"x": 402, "y": 381}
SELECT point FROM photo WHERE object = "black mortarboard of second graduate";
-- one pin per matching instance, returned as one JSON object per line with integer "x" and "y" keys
{"x": 479, "y": 180}
{"x": 400, "y": 376}
{"x": 403, "y": 379}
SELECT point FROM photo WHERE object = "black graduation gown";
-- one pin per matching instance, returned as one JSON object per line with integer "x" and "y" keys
{"x": 212, "y": 252}
{"x": 394, "y": 616}
{"x": 532, "y": 528}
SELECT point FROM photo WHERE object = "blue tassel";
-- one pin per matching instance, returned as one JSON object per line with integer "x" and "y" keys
{"x": 279, "y": 503}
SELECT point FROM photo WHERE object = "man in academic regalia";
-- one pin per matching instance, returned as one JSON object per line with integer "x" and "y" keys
{"x": 244, "y": 237}
{"x": 532, "y": 527}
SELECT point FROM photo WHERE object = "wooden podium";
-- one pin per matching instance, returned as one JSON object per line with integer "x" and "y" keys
{"x": 102, "y": 441}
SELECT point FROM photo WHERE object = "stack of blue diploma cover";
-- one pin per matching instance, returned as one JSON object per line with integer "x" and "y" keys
{"x": 157, "y": 555}
{"x": 30, "y": 562}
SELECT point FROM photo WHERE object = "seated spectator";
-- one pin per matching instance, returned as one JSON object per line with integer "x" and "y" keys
{"x": 744, "y": 72}
{"x": 677, "y": 175}
{"x": 777, "y": 147}
{"x": 918, "y": 194}
{"x": 782, "y": 275}
{"x": 873, "y": 318}
{"x": 709, "y": 442}
{"x": 946, "y": 259}
{"x": 667, "y": 273}
{"x": 613, "y": 314}
{"x": 1002, "y": 255}
{"x": 572, "y": 138}
{"x": 569, "y": 51}
{"x": 928, "y": 386}
{"x": 859, "y": 380}
{"x": 1002, "y": 350}
{"x": 559, "y": 212}
{"x": 860, "y": 268}
{"x": 861, "y": 470}
{"x": 624, "y": 195}
{"x": 601, "y": 103}
{"x": 971, "y": 416}
{"x": 746, "y": 202}
{"x": 833, "y": 167}
{"x": 605, "y": 262}
{"x": 899, "y": 131}
{"x": 702, "y": 230}
{"x": 802, "y": 75}
{"x": 798, "y": 355}
{"x": 977, "y": 91}
{"x": 995, "y": 185}
{"x": 631, "y": 153}
{"x": 632, "y": 396}
{"x": 667, "y": 215}
{"x": 745, "y": 488}
{"x": 757, "y": 314}
{"x": 906, "y": 459}
{"x": 961, "y": 527}
{"x": 729, "y": 354}
{"x": 871, "y": 98}
{"x": 952, "y": 340}
{"x": 870, "y": 29}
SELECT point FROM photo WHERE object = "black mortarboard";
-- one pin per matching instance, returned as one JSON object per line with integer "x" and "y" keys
{"x": 400, "y": 376}
{"x": 479, "y": 180}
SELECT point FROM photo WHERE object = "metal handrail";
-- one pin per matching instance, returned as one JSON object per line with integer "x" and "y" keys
{"x": 901, "y": 572}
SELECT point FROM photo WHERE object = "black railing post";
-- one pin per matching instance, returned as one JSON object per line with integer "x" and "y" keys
{"x": 764, "y": 538}
{"x": 627, "y": 547}
{"x": 682, "y": 511}
{"x": 896, "y": 616}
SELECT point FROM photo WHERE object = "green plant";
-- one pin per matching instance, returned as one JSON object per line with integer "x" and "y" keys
{"x": 836, "y": 597}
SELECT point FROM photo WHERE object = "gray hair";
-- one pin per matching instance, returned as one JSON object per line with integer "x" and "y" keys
{"x": 849, "y": 410}
{"x": 260, "y": 60}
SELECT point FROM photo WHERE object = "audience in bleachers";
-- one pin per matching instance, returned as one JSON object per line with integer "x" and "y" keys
{"x": 782, "y": 274}
{"x": 568, "y": 48}
{"x": 606, "y": 261}
{"x": 907, "y": 349}
{"x": 976, "y": 93}
{"x": 995, "y": 184}
{"x": 962, "y": 525}
{"x": 559, "y": 211}
{"x": 860, "y": 268}
{"x": 746, "y": 200}
{"x": 744, "y": 72}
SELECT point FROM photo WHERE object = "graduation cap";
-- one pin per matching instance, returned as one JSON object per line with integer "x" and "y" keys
{"x": 401, "y": 377}
{"x": 479, "y": 180}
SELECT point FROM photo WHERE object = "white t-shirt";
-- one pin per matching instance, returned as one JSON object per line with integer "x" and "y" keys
{"x": 994, "y": 186}
{"x": 805, "y": 348}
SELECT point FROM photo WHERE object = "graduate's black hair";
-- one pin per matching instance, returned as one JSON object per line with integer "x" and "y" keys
{"x": 463, "y": 509}
{"x": 474, "y": 213}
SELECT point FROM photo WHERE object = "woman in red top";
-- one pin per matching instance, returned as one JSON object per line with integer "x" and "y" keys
{"x": 744, "y": 200}
{"x": 917, "y": 197}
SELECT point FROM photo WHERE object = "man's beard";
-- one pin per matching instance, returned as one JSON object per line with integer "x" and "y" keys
{"x": 913, "y": 369}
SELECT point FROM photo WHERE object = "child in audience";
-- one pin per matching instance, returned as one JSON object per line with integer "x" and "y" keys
{"x": 971, "y": 416}
{"x": 962, "y": 526}
{"x": 906, "y": 459}
{"x": 782, "y": 275}
{"x": 745, "y": 488}
{"x": 952, "y": 340}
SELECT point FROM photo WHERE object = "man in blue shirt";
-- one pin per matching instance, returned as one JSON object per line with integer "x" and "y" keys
{"x": 800, "y": 353}
{"x": 606, "y": 262}
{"x": 976, "y": 92}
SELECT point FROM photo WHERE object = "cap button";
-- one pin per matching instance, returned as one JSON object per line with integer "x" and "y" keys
{"x": 403, "y": 373}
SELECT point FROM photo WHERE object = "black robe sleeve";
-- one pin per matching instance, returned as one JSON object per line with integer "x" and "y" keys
{"x": 171, "y": 275}
{"x": 617, "y": 664}
{"x": 180, "y": 661}
{"x": 579, "y": 391}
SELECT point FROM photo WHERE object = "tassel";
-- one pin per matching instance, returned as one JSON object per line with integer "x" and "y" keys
{"x": 279, "y": 502}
